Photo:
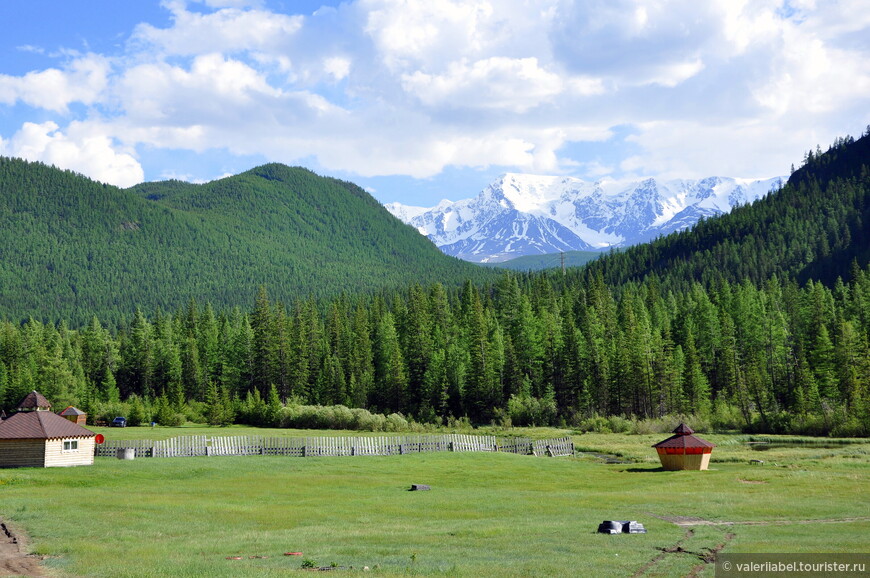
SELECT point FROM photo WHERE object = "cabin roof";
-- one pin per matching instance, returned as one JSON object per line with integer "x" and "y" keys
{"x": 72, "y": 411}
{"x": 40, "y": 425}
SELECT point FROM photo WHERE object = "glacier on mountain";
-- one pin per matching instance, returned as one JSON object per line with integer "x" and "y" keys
{"x": 521, "y": 214}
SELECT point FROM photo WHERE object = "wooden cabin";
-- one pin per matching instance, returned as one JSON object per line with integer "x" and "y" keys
{"x": 37, "y": 438}
{"x": 684, "y": 451}
{"x": 74, "y": 415}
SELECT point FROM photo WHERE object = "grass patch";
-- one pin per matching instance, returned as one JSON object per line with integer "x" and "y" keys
{"x": 486, "y": 513}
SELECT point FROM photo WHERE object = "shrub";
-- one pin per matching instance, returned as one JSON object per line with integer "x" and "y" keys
{"x": 596, "y": 423}
{"x": 137, "y": 414}
{"x": 525, "y": 410}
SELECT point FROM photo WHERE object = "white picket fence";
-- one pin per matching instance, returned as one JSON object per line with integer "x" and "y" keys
{"x": 191, "y": 446}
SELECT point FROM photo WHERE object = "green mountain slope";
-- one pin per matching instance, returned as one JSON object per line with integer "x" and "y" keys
{"x": 71, "y": 247}
{"x": 815, "y": 227}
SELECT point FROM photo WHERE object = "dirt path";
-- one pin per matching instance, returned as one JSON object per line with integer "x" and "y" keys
{"x": 707, "y": 555}
{"x": 14, "y": 560}
{"x": 664, "y": 551}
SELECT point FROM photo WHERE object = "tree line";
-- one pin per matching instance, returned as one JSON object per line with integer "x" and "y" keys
{"x": 523, "y": 350}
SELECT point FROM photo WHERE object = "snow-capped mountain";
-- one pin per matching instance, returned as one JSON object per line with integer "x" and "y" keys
{"x": 521, "y": 214}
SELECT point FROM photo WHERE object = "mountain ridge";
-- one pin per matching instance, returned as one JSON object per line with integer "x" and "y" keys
{"x": 72, "y": 247}
{"x": 521, "y": 214}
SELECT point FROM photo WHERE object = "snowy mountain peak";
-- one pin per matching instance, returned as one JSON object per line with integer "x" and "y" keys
{"x": 521, "y": 214}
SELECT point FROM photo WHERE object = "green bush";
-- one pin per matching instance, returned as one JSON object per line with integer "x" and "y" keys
{"x": 525, "y": 410}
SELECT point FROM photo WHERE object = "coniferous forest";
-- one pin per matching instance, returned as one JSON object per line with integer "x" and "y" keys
{"x": 757, "y": 320}
{"x": 71, "y": 248}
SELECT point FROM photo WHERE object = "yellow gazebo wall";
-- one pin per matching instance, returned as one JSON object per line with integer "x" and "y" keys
{"x": 684, "y": 461}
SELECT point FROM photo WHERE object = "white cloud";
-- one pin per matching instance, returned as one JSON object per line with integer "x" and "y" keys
{"x": 83, "y": 80}
{"x": 381, "y": 87}
{"x": 697, "y": 150}
{"x": 214, "y": 90}
{"x": 632, "y": 41}
{"x": 809, "y": 75}
{"x": 80, "y": 149}
{"x": 414, "y": 34}
{"x": 228, "y": 30}
{"x": 513, "y": 84}
{"x": 337, "y": 66}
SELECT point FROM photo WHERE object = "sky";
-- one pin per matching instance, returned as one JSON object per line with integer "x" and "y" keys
{"x": 421, "y": 100}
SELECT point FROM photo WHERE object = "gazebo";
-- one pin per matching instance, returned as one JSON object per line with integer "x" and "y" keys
{"x": 34, "y": 401}
{"x": 684, "y": 451}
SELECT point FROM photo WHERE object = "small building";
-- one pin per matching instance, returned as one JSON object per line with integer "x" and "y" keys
{"x": 37, "y": 438}
{"x": 684, "y": 451}
{"x": 74, "y": 415}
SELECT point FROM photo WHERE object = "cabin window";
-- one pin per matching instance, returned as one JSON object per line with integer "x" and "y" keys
{"x": 70, "y": 445}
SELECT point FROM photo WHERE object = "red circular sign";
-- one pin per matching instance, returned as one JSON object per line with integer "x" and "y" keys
{"x": 99, "y": 439}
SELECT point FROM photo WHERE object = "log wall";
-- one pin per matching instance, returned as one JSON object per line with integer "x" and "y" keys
{"x": 22, "y": 453}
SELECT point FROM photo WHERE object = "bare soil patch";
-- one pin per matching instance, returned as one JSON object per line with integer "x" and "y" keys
{"x": 14, "y": 560}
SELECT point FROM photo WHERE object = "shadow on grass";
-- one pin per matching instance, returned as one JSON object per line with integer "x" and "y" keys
{"x": 642, "y": 470}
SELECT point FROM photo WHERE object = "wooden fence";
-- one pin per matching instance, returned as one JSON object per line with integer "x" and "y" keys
{"x": 191, "y": 446}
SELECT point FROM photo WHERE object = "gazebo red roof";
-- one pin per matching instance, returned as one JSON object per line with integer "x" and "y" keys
{"x": 683, "y": 438}
{"x": 40, "y": 425}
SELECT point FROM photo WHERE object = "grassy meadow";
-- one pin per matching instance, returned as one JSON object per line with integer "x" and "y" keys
{"x": 486, "y": 515}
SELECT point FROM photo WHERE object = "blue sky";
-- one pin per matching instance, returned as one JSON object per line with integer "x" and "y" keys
{"x": 418, "y": 101}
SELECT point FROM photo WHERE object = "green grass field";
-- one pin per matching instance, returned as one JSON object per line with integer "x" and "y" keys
{"x": 486, "y": 515}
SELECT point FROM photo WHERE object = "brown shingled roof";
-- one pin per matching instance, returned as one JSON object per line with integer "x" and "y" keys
{"x": 683, "y": 438}
{"x": 40, "y": 425}
{"x": 34, "y": 400}
{"x": 683, "y": 429}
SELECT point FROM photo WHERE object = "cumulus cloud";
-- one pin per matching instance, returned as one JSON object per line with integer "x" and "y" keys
{"x": 381, "y": 87}
{"x": 83, "y": 80}
{"x": 635, "y": 42}
{"x": 512, "y": 84}
{"x": 408, "y": 34}
{"x": 79, "y": 149}
{"x": 228, "y": 30}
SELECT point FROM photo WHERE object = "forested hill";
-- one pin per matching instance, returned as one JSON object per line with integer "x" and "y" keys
{"x": 816, "y": 227}
{"x": 71, "y": 248}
